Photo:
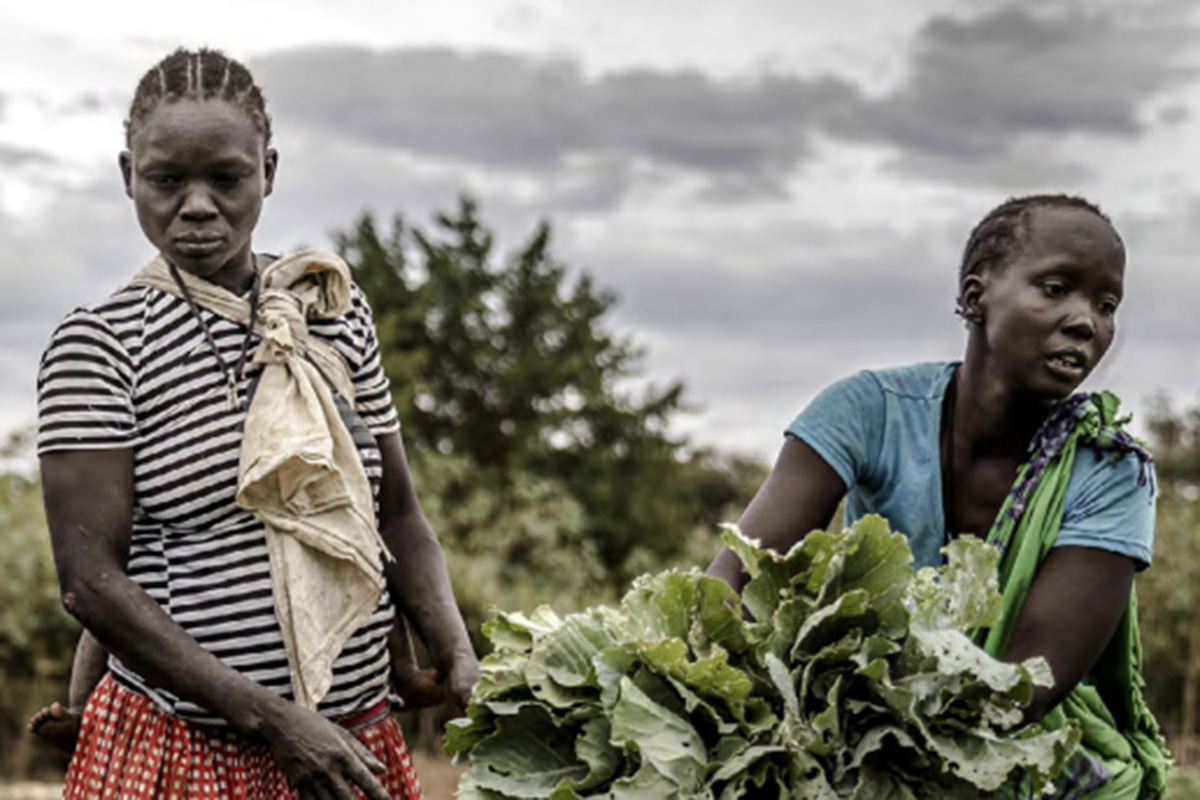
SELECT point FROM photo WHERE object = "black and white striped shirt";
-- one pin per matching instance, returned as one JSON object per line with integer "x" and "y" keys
{"x": 136, "y": 371}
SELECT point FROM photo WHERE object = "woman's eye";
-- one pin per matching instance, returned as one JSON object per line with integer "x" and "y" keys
{"x": 1108, "y": 307}
{"x": 1055, "y": 288}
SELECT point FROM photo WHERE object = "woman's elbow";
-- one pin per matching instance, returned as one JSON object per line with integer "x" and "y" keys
{"x": 85, "y": 594}
{"x": 76, "y": 601}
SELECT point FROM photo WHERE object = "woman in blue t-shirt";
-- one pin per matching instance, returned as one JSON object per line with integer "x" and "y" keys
{"x": 936, "y": 448}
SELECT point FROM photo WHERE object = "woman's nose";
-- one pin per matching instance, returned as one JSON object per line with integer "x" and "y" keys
{"x": 197, "y": 204}
{"x": 1080, "y": 322}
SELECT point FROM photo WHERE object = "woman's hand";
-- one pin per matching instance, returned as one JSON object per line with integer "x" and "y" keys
{"x": 417, "y": 688}
{"x": 423, "y": 688}
{"x": 420, "y": 688}
{"x": 322, "y": 760}
{"x": 460, "y": 682}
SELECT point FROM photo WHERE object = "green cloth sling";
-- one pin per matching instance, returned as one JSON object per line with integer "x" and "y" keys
{"x": 1118, "y": 728}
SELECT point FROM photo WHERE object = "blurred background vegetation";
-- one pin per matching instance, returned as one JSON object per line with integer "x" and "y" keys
{"x": 548, "y": 478}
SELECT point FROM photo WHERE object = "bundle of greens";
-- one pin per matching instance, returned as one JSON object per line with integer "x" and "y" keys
{"x": 853, "y": 679}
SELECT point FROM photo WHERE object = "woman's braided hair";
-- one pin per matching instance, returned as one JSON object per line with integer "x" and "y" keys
{"x": 202, "y": 74}
{"x": 1004, "y": 233}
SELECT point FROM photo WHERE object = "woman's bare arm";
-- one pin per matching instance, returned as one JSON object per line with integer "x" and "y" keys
{"x": 87, "y": 670}
{"x": 1074, "y": 605}
{"x": 418, "y": 578}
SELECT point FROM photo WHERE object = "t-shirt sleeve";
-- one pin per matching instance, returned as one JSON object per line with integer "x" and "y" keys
{"x": 85, "y": 388}
{"x": 1110, "y": 505}
{"x": 372, "y": 390}
{"x": 844, "y": 425}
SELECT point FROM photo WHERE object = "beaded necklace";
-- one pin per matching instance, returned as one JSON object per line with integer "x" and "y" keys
{"x": 234, "y": 371}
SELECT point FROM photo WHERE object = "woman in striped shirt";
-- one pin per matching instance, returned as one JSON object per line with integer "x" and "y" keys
{"x": 142, "y": 401}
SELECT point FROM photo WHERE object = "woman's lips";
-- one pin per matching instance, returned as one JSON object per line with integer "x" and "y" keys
{"x": 1065, "y": 367}
{"x": 198, "y": 247}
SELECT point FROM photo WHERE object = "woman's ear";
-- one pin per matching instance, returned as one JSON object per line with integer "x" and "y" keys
{"x": 270, "y": 166}
{"x": 125, "y": 160}
{"x": 970, "y": 299}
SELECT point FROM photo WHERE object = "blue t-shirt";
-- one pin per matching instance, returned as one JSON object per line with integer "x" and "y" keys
{"x": 879, "y": 430}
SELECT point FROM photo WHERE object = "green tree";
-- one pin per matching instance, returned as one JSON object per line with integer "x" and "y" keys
{"x": 507, "y": 363}
{"x": 1169, "y": 593}
{"x": 515, "y": 551}
{"x": 37, "y": 637}
{"x": 1176, "y": 438}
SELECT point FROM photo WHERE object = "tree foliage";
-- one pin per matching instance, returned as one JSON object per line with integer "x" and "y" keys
{"x": 1169, "y": 592}
{"x": 506, "y": 364}
{"x": 37, "y": 637}
{"x": 514, "y": 550}
{"x": 1176, "y": 437}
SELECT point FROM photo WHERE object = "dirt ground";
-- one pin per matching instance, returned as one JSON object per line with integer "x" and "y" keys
{"x": 438, "y": 781}
{"x": 439, "y": 778}
{"x": 28, "y": 791}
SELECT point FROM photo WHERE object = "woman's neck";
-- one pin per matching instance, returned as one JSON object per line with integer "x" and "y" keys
{"x": 989, "y": 417}
{"x": 237, "y": 275}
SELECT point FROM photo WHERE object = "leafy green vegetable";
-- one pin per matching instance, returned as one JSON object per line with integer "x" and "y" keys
{"x": 852, "y": 677}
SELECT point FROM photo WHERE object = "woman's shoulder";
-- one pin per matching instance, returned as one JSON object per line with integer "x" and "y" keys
{"x": 1103, "y": 473}
{"x": 1111, "y": 460}
{"x": 868, "y": 390}
{"x": 854, "y": 421}
{"x": 924, "y": 380}
{"x": 1110, "y": 504}
{"x": 115, "y": 303}
{"x": 114, "y": 315}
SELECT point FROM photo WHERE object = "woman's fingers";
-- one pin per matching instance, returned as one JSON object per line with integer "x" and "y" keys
{"x": 364, "y": 755}
{"x": 324, "y": 760}
{"x": 332, "y": 786}
{"x": 365, "y": 781}
{"x": 361, "y": 766}
{"x": 321, "y": 790}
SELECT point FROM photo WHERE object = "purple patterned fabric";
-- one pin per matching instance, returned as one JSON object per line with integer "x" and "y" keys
{"x": 1054, "y": 434}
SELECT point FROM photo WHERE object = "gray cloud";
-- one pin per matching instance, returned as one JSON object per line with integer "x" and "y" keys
{"x": 986, "y": 94}
{"x": 84, "y": 247}
{"x": 510, "y": 112}
{"x": 809, "y": 293}
{"x": 756, "y": 320}
{"x": 985, "y": 101}
{"x": 11, "y": 156}
{"x": 94, "y": 102}
{"x": 1027, "y": 163}
{"x": 324, "y": 186}
{"x": 756, "y": 344}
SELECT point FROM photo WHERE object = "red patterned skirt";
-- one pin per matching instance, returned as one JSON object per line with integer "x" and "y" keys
{"x": 130, "y": 748}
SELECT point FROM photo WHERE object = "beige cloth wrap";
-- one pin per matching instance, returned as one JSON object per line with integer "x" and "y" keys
{"x": 300, "y": 472}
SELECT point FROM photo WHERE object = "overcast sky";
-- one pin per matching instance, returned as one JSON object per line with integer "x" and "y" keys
{"x": 777, "y": 190}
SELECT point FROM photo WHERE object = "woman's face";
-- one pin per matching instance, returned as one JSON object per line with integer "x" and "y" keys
{"x": 197, "y": 171}
{"x": 1049, "y": 316}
